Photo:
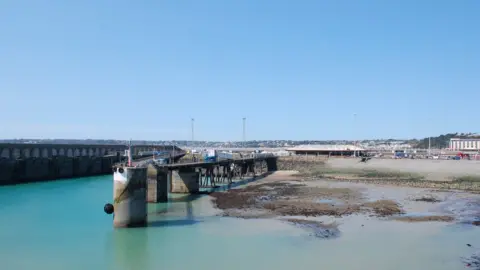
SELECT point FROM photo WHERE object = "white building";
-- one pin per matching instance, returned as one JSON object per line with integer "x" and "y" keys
{"x": 472, "y": 144}
{"x": 337, "y": 149}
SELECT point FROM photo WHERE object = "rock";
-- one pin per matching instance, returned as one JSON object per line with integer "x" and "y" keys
{"x": 317, "y": 228}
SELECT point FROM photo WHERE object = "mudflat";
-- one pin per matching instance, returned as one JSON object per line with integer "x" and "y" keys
{"x": 285, "y": 193}
{"x": 319, "y": 203}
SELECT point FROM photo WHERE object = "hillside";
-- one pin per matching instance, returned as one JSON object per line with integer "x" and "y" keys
{"x": 441, "y": 141}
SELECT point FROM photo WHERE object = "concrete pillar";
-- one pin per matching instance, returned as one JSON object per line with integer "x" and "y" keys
{"x": 271, "y": 164}
{"x": 185, "y": 180}
{"x": 251, "y": 168}
{"x": 130, "y": 197}
{"x": 216, "y": 174}
{"x": 209, "y": 180}
{"x": 157, "y": 189}
{"x": 244, "y": 168}
{"x": 229, "y": 173}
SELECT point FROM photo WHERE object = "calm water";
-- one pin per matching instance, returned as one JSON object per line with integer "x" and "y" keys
{"x": 61, "y": 225}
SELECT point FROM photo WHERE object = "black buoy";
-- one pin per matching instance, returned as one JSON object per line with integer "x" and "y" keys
{"x": 120, "y": 170}
{"x": 108, "y": 208}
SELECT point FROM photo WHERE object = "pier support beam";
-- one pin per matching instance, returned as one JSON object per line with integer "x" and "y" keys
{"x": 244, "y": 170}
{"x": 185, "y": 180}
{"x": 157, "y": 184}
{"x": 251, "y": 169}
{"x": 130, "y": 197}
{"x": 271, "y": 164}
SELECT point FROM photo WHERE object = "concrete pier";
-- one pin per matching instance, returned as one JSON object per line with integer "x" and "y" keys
{"x": 185, "y": 180}
{"x": 158, "y": 184}
{"x": 130, "y": 197}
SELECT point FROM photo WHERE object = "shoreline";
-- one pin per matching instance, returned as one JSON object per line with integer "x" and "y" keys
{"x": 321, "y": 207}
{"x": 411, "y": 173}
{"x": 471, "y": 187}
{"x": 285, "y": 194}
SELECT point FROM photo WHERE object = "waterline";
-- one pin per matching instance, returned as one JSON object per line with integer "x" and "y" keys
{"x": 61, "y": 225}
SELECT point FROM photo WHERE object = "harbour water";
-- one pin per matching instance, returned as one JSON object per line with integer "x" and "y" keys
{"x": 61, "y": 225}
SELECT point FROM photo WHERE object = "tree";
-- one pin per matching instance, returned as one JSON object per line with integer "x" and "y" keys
{"x": 441, "y": 141}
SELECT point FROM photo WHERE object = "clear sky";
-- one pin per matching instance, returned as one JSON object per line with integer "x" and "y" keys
{"x": 294, "y": 69}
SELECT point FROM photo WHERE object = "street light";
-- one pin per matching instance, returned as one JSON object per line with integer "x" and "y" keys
{"x": 193, "y": 130}
{"x": 354, "y": 129}
{"x": 173, "y": 150}
{"x": 244, "y": 140}
{"x": 429, "y": 150}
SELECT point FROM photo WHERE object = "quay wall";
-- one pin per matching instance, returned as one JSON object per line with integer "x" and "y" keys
{"x": 28, "y": 170}
{"x": 25, "y": 163}
{"x": 300, "y": 163}
{"x": 18, "y": 150}
{"x": 429, "y": 169}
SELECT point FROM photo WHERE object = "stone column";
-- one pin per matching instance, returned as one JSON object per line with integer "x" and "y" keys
{"x": 130, "y": 197}
{"x": 185, "y": 180}
{"x": 157, "y": 184}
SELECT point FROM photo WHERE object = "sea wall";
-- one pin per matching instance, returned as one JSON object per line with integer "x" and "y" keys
{"x": 428, "y": 169}
{"x": 35, "y": 169}
{"x": 300, "y": 163}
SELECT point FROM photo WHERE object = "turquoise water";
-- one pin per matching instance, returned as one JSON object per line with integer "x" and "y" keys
{"x": 61, "y": 225}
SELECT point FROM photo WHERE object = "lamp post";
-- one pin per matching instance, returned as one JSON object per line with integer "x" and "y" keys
{"x": 429, "y": 144}
{"x": 354, "y": 130}
{"x": 193, "y": 129}
{"x": 244, "y": 138}
{"x": 173, "y": 155}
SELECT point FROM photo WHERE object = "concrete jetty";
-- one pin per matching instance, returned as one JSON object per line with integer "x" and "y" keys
{"x": 136, "y": 185}
{"x": 157, "y": 184}
{"x": 129, "y": 197}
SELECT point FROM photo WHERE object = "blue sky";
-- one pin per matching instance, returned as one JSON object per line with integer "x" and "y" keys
{"x": 294, "y": 69}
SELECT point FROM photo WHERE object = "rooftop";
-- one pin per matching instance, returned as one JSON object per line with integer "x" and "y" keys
{"x": 465, "y": 138}
{"x": 326, "y": 147}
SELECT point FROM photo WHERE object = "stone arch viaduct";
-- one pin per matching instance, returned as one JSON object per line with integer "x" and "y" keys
{"x": 23, "y": 163}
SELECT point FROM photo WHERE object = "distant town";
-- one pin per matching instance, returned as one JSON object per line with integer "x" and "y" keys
{"x": 438, "y": 142}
